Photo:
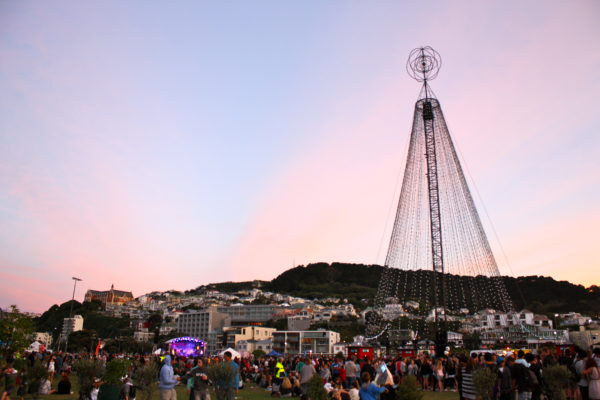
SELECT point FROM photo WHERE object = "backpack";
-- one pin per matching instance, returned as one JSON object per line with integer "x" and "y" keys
{"x": 132, "y": 392}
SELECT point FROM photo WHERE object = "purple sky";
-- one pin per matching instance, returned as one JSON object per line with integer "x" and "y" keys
{"x": 159, "y": 146}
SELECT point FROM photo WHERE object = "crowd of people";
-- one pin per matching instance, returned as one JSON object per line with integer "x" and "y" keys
{"x": 519, "y": 376}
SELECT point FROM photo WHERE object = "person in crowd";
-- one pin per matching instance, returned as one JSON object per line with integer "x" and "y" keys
{"x": 46, "y": 385}
{"x": 95, "y": 389}
{"x": 351, "y": 371}
{"x": 466, "y": 385}
{"x": 505, "y": 384}
{"x": 368, "y": 390}
{"x": 354, "y": 390}
{"x": 234, "y": 384}
{"x": 582, "y": 382}
{"x": 522, "y": 376}
{"x": 64, "y": 386}
{"x": 127, "y": 390}
{"x": 592, "y": 373}
{"x": 168, "y": 380}
{"x": 306, "y": 374}
{"x": 198, "y": 382}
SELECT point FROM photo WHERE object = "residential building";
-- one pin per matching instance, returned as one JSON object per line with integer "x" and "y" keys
{"x": 246, "y": 347}
{"x": 232, "y": 335}
{"x": 143, "y": 335}
{"x": 585, "y": 339}
{"x": 71, "y": 325}
{"x": 252, "y": 314}
{"x": 44, "y": 338}
{"x": 203, "y": 324}
{"x": 299, "y": 322}
{"x": 304, "y": 342}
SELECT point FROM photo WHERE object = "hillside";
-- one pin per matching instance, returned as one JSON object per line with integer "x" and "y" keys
{"x": 357, "y": 281}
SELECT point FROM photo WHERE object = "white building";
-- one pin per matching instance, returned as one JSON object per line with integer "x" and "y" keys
{"x": 71, "y": 325}
{"x": 44, "y": 338}
{"x": 143, "y": 336}
{"x": 203, "y": 324}
{"x": 249, "y": 346}
{"x": 305, "y": 342}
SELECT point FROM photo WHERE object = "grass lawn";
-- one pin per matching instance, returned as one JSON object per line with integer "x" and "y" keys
{"x": 250, "y": 392}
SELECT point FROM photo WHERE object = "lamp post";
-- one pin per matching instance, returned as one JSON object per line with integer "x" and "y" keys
{"x": 75, "y": 280}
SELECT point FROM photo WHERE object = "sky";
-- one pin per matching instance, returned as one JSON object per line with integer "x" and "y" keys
{"x": 159, "y": 146}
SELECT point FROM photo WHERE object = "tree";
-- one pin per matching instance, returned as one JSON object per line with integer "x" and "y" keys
{"x": 15, "y": 330}
{"x": 84, "y": 340}
{"x": 87, "y": 370}
{"x": 258, "y": 353}
{"x": 154, "y": 323}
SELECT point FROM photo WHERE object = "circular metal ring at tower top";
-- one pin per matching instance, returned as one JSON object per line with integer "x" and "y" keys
{"x": 423, "y": 63}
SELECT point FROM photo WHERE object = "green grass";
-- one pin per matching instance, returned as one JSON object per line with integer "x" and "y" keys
{"x": 250, "y": 392}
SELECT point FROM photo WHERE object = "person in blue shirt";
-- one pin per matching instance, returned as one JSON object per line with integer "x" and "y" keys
{"x": 369, "y": 390}
{"x": 234, "y": 384}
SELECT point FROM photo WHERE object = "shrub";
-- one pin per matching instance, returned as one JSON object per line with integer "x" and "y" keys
{"x": 34, "y": 376}
{"x": 86, "y": 370}
{"x": 484, "y": 380}
{"x": 144, "y": 378}
{"x": 315, "y": 389}
{"x": 221, "y": 375}
{"x": 556, "y": 379}
{"x": 115, "y": 370}
{"x": 409, "y": 389}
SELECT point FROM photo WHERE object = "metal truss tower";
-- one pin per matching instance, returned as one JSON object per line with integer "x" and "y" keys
{"x": 439, "y": 263}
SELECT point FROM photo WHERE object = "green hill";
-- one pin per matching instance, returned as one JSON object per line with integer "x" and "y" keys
{"x": 357, "y": 281}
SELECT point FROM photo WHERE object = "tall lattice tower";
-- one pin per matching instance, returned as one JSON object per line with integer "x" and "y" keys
{"x": 439, "y": 264}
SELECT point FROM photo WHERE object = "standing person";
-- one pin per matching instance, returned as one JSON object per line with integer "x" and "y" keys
{"x": 127, "y": 392}
{"x": 412, "y": 368}
{"x": 466, "y": 385}
{"x": 439, "y": 373}
{"x": 426, "y": 372}
{"x": 51, "y": 366}
{"x": 234, "y": 384}
{"x": 592, "y": 372}
{"x": 351, "y": 371}
{"x": 368, "y": 390}
{"x": 368, "y": 367}
{"x": 535, "y": 365}
{"x": 582, "y": 381}
{"x": 521, "y": 374}
{"x": 505, "y": 379}
{"x": 167, "y": 380}
{"x": 198, "y": 382}
{"x": 306, "y": 373}
{"x": 325, "y": 372}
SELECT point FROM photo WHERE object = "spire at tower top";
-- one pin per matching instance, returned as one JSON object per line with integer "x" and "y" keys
{"x": 423, "y": 64}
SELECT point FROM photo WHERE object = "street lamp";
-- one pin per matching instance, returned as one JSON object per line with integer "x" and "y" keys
{"x": 75, "y": 280}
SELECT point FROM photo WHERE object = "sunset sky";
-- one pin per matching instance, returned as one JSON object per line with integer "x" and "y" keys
{"x": 159, "y": 145}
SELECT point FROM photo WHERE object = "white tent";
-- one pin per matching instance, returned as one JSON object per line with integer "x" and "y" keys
{"x": 234, "y": 354}
{"x": 35, "y": 346}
